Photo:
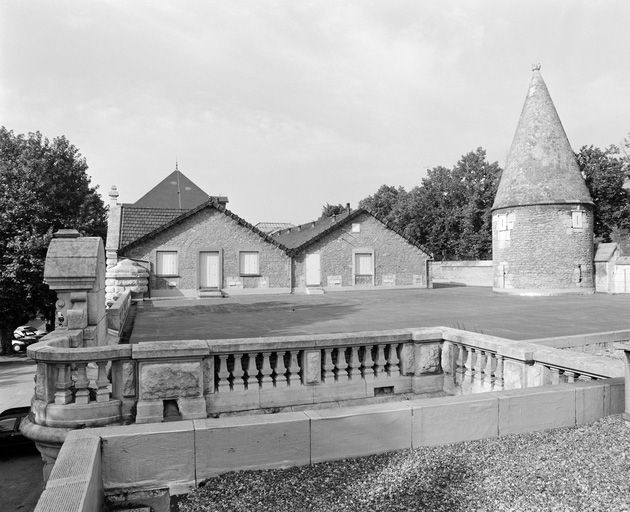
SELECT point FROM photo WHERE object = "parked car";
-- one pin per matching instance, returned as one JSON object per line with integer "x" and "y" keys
{"x": 10, "y": 435}
{"x": 24, "y": 336}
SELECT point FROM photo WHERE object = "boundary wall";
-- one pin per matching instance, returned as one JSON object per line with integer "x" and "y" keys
{"x": 462, "y": 273}
{"x": 121, "y": 464}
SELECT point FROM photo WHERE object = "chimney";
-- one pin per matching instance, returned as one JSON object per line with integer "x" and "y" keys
{"x": 334, "y": 218}
{"x": 113, "y": 196}
{"x": 348, "y": 207}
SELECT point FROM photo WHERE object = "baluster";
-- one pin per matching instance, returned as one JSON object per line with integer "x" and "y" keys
{"x": 379, "y": 370}
{"x": 393, "y": 361}
{"x": 460, "y": 363}
{"x": 281, "y": 371}
{"x": 328, "y": 367}
{"x": 238, "y": 384}
{"x": 248, "y": 378}
{"x": 498, "y": 373}
{"x": 355, "y": 364}
{"x": 469, "y": 369}
{"x": 555, "y": 375}
{"x": 368, "y": 363}
{"x": 570, "y": 376}
{"x": 490, "y": 367}
{"x": 82, "y": 393}
{"x": 223, "y": 374}
{"x": 266, "y": 371}
{"x": 342, "y": 365}
{"x": 480, "y": 363}
{"x": 63, "y": 395}
{"x": 293, "y": 377}
{"x": 102, "y": 383}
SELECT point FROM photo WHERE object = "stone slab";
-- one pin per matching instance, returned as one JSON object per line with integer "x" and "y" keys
{"x": 454, "y": 419}
{"x": 590, "y": 402}
{"x": 359, "y": 431}
{"x": 251, "y": 442}
{"x": 527, "y": 410}
{"x": 153, "y": 455}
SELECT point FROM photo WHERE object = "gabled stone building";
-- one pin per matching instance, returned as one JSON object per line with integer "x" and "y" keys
{"x": 542, "y": 216}
{"x": 189, "y": 244}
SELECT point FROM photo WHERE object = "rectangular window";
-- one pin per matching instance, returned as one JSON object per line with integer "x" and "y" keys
{"x": 249, "y": 263}
{"x": 577, "y": 219}
{"x": 363, "y": 264}
{"x": 356, "y": 227}
{"x": 510, "y": 221}
{"x": 166, "y": 264}
{"x": 501, "y": 222}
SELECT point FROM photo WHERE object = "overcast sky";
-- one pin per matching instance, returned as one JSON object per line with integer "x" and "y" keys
{"x": 286, "y": 105}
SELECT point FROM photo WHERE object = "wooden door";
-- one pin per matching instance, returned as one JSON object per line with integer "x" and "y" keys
{"x": 209, "y": 271}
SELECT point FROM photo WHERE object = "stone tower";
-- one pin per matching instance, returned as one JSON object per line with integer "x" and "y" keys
{"x": 542, "y": 216}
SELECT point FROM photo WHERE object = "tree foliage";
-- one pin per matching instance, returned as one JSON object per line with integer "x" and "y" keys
{"x": 44, "y": 187}
{"x": 328, "y": 210}
{"x": 605, "y": 173}
{"x": 449, "y": 212}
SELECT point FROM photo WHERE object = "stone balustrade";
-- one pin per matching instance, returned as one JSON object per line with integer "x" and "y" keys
{"x": 200, "y": 378}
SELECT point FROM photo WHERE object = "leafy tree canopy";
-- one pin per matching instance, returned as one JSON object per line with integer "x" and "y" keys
{"x": 449, "y": 212}
{"x": 44, "y": 187}
{"x": 328, "y": 210}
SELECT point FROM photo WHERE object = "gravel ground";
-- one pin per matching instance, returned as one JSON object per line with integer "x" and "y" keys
{"x": 569, "y": 469}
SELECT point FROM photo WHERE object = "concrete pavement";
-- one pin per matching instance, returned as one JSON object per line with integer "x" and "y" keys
{"x": 471, "y": 308}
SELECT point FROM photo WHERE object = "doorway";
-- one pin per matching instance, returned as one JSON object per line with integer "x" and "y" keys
{"x": 209, "y": 269}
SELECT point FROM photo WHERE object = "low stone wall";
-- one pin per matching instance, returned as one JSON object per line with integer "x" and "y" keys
{"x": 191, "y": 451}
{"x": 462, "y": 273}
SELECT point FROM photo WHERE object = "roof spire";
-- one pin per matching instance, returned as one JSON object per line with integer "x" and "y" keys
{"x": 541, "y": 167}
{"x": 536, "y": 67}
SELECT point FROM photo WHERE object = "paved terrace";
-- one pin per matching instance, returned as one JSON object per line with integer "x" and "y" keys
{"x": 470, "y": 308}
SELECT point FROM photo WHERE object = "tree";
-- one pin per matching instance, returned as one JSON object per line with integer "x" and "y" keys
{"x": 44, "y": 187}
{"x": 605, "y": 173}
{"x": 449, "y": 212}
{"x": 328, "y": 210}
{"x": 384, "y": 202}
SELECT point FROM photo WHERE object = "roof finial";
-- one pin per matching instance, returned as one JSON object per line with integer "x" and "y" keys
{"x": 176, "y": 165}
{"x": 536, "y": 67}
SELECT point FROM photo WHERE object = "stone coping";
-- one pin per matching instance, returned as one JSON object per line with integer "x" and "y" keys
{"x": 578, "y": 340}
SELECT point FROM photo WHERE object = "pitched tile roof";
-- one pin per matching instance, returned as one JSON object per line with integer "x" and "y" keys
{"x": 176, "y": 191}
{"x": 273, "y": 227}
{"x": 136, "y": 222}
{"x": 541, "y": 167}
{"x": 149, "y": 224}
{"x": 300, "y": 237}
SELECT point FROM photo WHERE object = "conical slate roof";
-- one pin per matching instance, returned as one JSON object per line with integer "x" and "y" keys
{"x": 541, "y": 167}
{"x": 175, "y": 191}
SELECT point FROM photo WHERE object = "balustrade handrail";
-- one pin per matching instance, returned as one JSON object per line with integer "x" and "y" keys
{"x": 55, "y": 348}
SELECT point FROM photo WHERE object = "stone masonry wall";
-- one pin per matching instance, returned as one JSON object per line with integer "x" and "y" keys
{"x": 211, "y": 230}
{"x": 396, "y": 261}
{"x": 543, "y": 251}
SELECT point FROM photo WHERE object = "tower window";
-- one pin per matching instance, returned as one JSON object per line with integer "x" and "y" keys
{"x": 577, "y": 219}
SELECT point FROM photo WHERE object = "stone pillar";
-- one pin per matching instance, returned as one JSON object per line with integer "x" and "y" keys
{"x": 75, "y": 269}
{"x": 113, "y": 228}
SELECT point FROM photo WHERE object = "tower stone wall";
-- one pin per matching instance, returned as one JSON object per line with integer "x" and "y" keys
{"x": 542, "y": 253}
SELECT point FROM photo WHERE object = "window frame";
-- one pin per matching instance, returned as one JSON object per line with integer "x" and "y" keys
{"x": 575, "y": 215}
{"x": 363, "y": 253}
{"x": 157, "y": 262}
{"x": 240, "y": 264}
{"x": 356, "y": 227}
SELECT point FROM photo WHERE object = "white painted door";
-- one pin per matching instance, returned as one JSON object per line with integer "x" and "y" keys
{"x": 209, "y": 269}
{"x": 313, "y": 273}
{"x": 622, "y": 279}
